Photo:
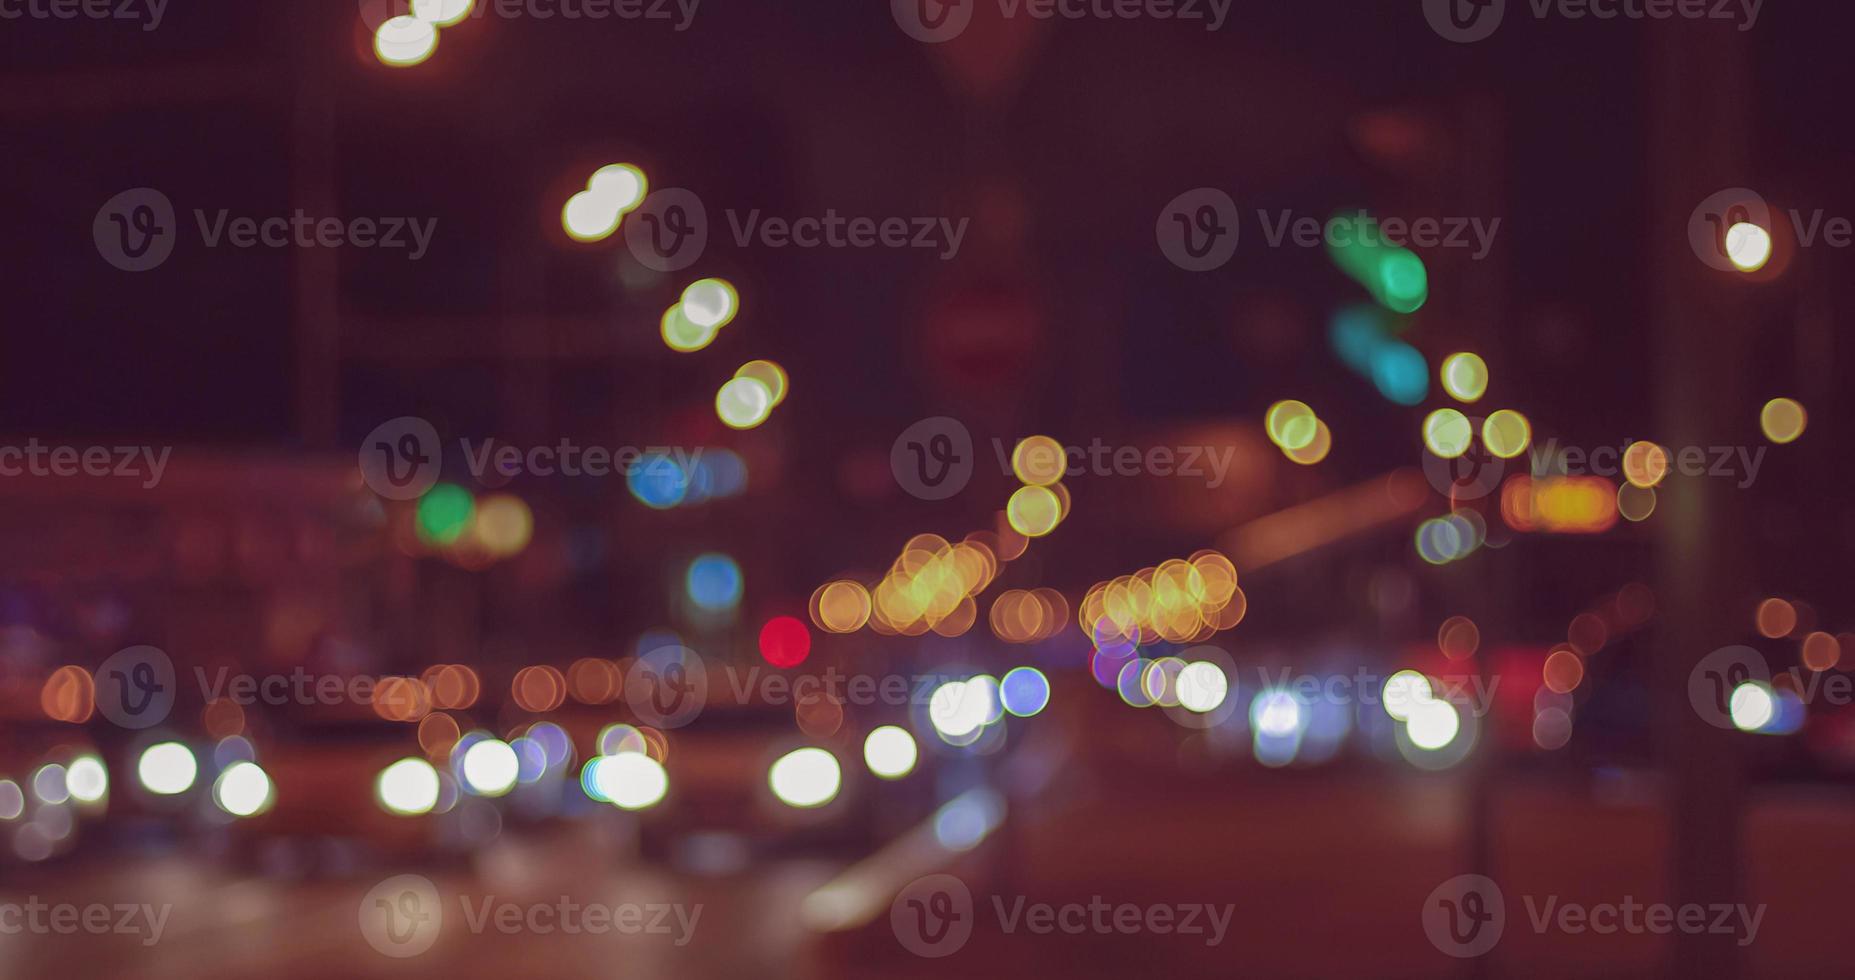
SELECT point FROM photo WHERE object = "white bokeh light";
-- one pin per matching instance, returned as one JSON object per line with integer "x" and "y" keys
{"x": 243, "y": 790}
{"x": 1404, "y": 691}
{"x": 408, "y": 787}
{"x": 1748, "y": 246}
{"x": 404, "y": 41}
{"x": 1202, "y": 687}
{"x": 86, "y": 779}
{"x": 1752, "y": 706}
{"x": 167, "y": 769}
{"x": 632, "y": 780}
{"x": 491, "y": 767}
{"x": 805, "y": 778}
{"x": 589, "y": 217}
{"x": 890, "y": 752}
{"x": 1433, "y": 724}
{"x": 441, "y": 13}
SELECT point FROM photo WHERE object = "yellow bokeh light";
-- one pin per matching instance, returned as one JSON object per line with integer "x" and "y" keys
{"x": 681, "y": 335}
{"x": 743, "y": 403}
{"x": 1314, "y": 451}
{"x": 842, "y": 606}
{"x": 1291, "y": 424}
{"x": 1034, "y": 511}
{"x": 1645, "y": 464}
{"x": 1178, "y": 602}
{"x": 1748, "y": 246}
{"x": 1783, "y": 420}
{"x": 1448, "y": 433}
{"x": 404, "y": 41}
{"x": 1038, "y": 461}
{"x": 1635, "y": 502}
{"x": 503, "y": 524}
{"x": 1507, "y": 433}
{"x": 1465, "y": 376}
{"x": 1062, "y": 501}
{"x": 770, "y": 374}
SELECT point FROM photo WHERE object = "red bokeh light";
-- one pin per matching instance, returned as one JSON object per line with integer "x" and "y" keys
{"x": 785, "y": 642}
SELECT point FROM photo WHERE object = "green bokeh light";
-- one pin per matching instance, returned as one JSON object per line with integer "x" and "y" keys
{"x": 444, "y": 513}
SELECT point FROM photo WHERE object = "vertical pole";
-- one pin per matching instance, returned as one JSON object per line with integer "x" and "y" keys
{"x": 1698, "y": 134}
{"x": 315, "y": 272}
